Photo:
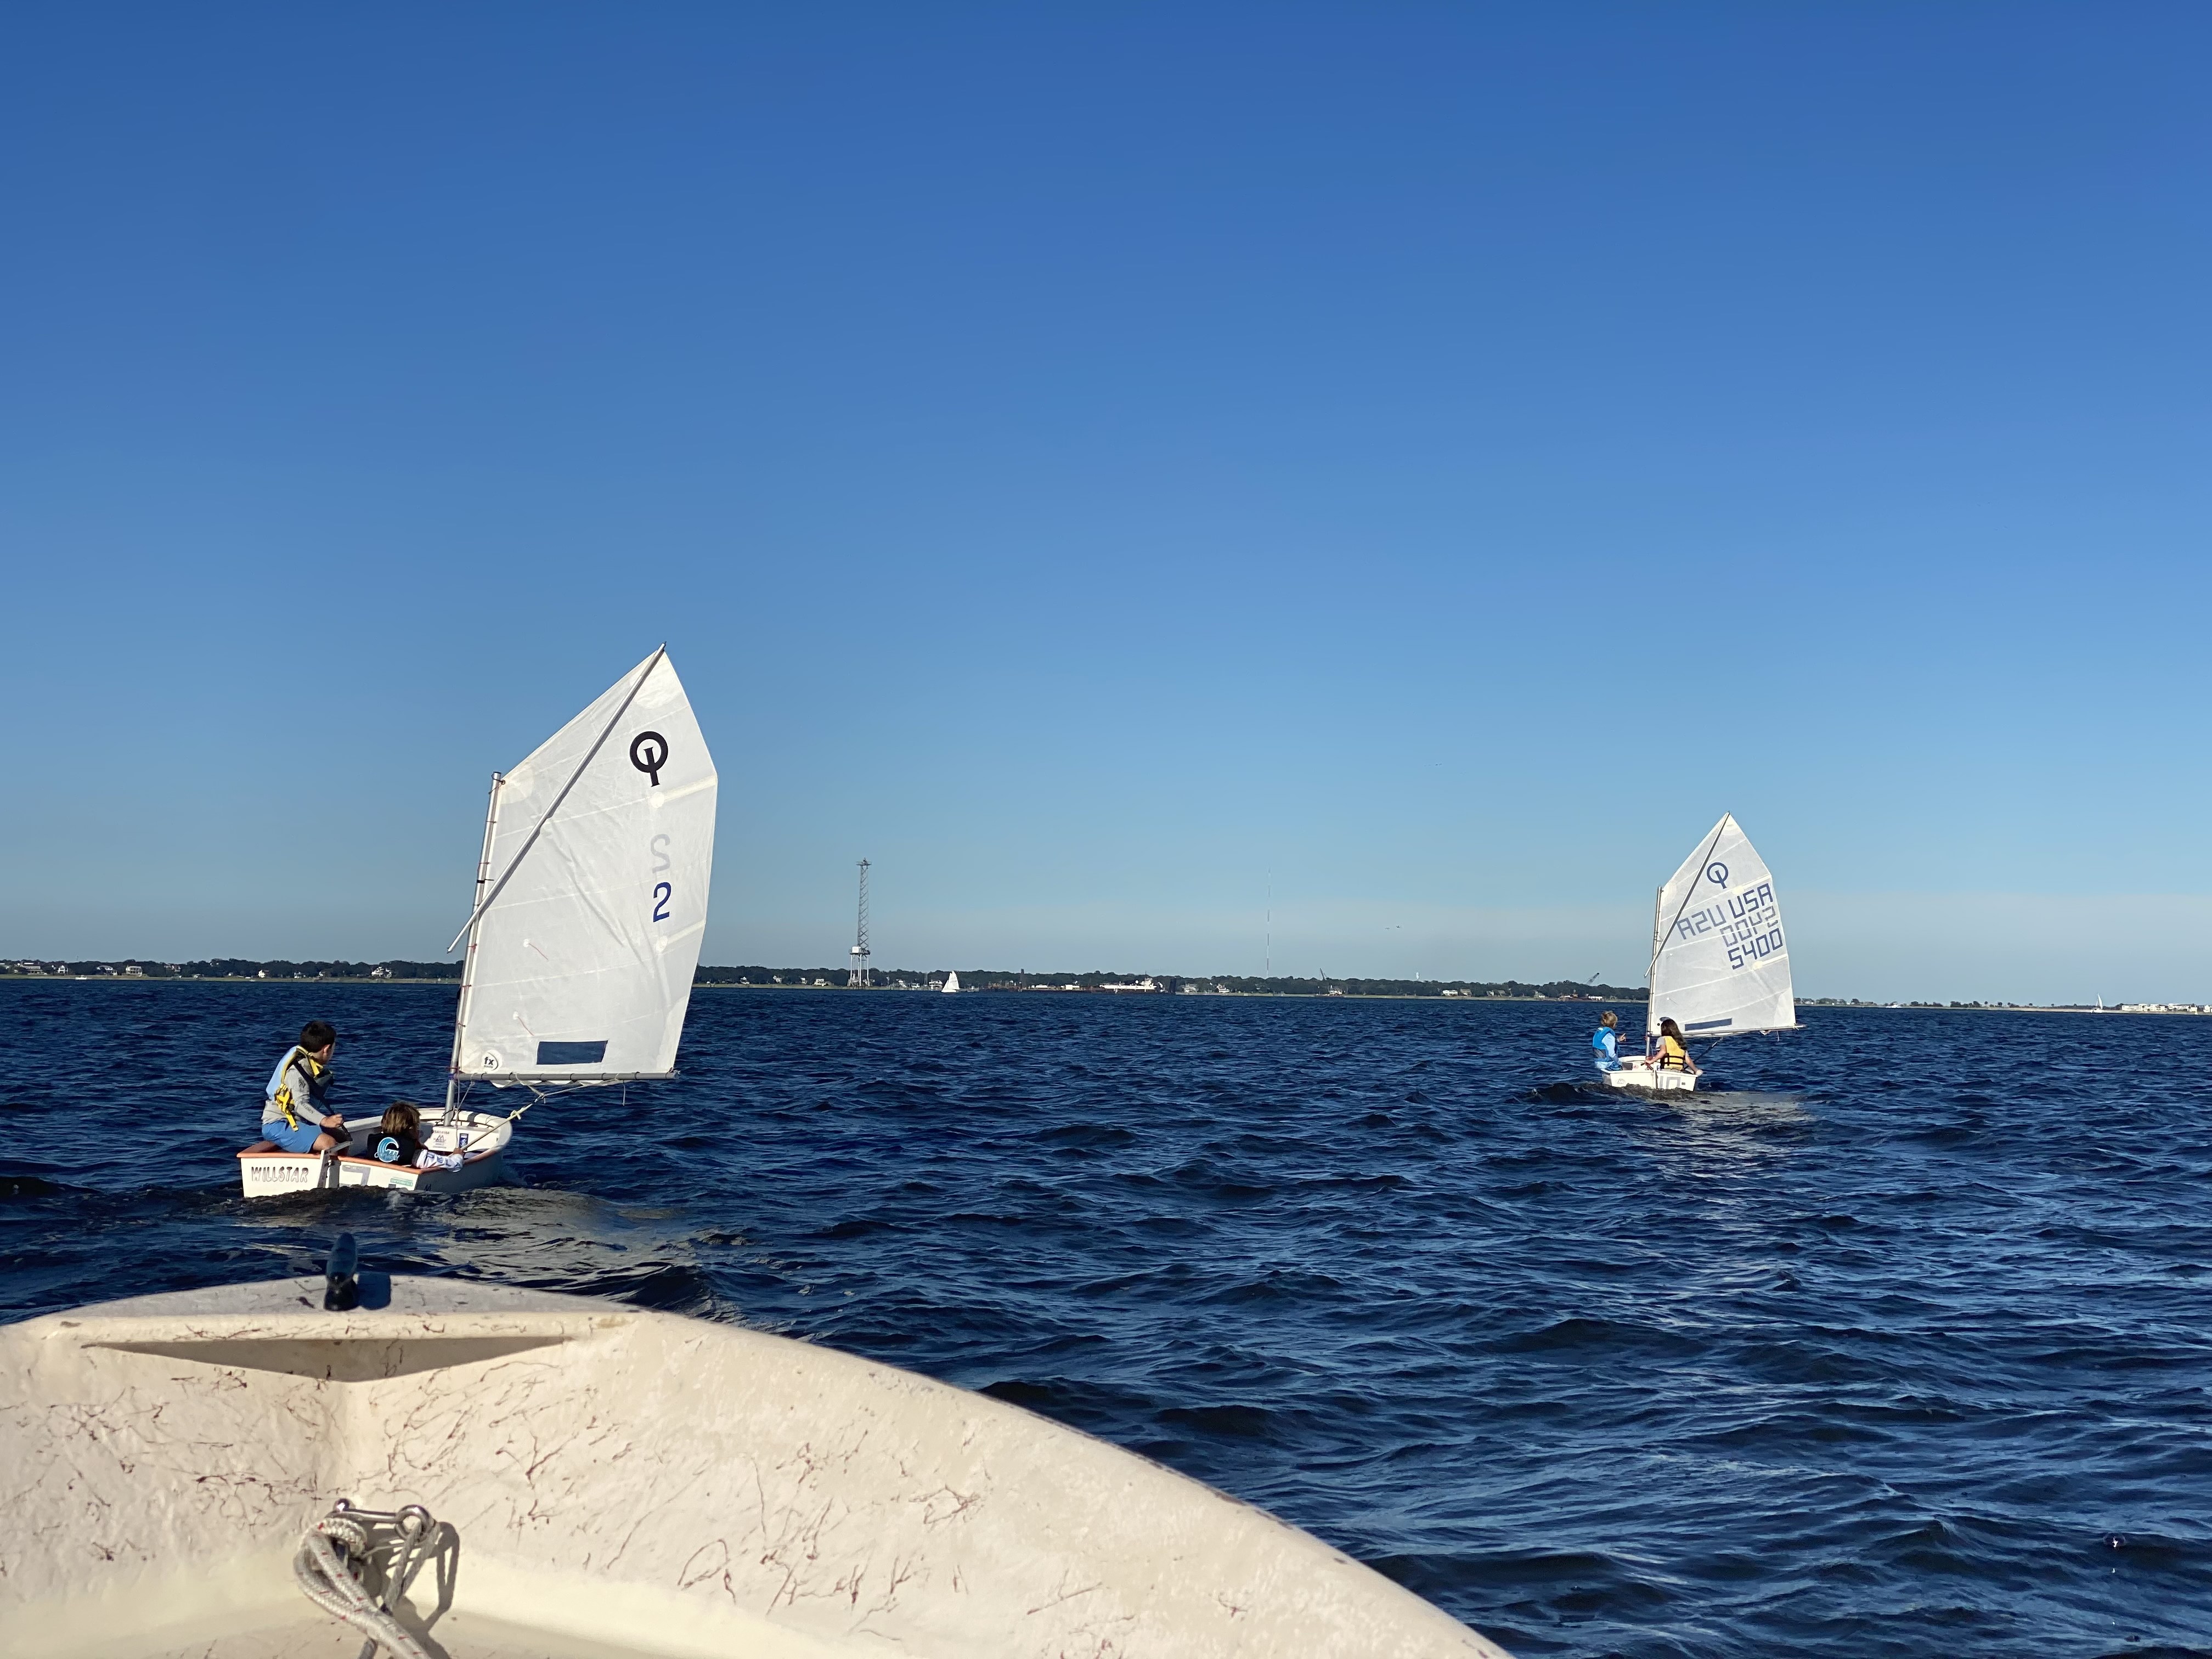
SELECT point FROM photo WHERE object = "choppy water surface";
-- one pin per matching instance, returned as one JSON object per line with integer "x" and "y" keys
{"x": 1902, "y": 1347}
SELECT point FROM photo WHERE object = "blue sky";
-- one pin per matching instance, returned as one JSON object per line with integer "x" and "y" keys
{"x": 1121, "y": 470}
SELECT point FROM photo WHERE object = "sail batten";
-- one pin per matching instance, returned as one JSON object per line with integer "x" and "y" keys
{"x": 583, "y": 944}
{"x": 1720, "y": 962}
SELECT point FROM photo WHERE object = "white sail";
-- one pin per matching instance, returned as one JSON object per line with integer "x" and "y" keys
{"x": 592, "y": 897}
{"x": 1720, "y": 962}
{"x": 952, "y": 980}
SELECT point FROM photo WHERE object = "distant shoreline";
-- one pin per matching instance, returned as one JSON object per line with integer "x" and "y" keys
{"x": 892, "y": 990}
{"x": 200, "y": 979}
{"x": 2184, "y": 1009}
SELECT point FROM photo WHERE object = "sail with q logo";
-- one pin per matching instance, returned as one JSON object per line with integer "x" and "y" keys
{"x": 1720, "y": 960}
{"x": 592, "y": 900}
{"x": 591, "y": 903}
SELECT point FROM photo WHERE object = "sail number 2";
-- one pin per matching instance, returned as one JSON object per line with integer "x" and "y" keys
{"x": 662, "y": 891}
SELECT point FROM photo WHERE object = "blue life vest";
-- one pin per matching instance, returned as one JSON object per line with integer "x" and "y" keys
{"x": 1608, "y": 1056}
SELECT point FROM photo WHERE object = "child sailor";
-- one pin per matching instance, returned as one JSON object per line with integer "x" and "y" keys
{"x": 1605, "y": 1041}
{"x": 296, "y": 1108}
{"x": 1673, "y": 1055}
{"x": 398, "y": 1139}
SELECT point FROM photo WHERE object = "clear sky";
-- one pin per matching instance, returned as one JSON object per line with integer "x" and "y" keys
{"x": 1124, "y": 470}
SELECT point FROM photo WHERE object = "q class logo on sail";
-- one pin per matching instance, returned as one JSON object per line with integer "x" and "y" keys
{"x": 1716, "y": 874}
{"x": 648, "y": 753}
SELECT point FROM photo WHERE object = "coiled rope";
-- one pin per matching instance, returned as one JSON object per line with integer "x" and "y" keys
{"x": 332, "y": 1554}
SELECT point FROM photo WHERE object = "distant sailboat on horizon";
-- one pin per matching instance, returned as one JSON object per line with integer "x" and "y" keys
{"x": 952, "y": 981}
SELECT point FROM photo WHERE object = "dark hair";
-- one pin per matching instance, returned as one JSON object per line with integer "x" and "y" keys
{"x": 317, "y": 1034}
{"x": 402, "y": 1117}
{"x": 1667, "y": 1028}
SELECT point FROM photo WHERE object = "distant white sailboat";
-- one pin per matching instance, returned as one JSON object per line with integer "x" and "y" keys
{"x": 1720, "y": 962}
{"x": 591, "y": 902}
{"x": 952, "y": 981}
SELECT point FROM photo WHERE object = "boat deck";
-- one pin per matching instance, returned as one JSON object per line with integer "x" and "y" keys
{"x": 607, "y": 1481}
{"x": 459, "y": 1635}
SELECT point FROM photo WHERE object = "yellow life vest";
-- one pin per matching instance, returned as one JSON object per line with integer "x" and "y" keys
{"x": 1672, "y": 1058}
{"x": 282, "y": 1098}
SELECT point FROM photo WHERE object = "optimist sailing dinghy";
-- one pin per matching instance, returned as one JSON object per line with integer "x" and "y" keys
{"x": 591, "y": 903}
{"x": 1720, "y": 963}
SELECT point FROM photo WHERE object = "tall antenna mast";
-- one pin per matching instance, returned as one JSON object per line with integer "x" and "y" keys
{"x": 859, "y": 973}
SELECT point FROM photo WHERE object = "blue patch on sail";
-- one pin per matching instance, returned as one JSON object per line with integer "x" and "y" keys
{"x": 571, "y": 1053}
{"x": 1701, "y": 1025}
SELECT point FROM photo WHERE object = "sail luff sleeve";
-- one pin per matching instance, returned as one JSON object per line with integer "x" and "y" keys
{"x": 469, "y": 932}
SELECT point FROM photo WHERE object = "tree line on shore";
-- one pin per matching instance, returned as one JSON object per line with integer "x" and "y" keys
{"x": 235, "y": 968}
{"x": 972, "y": 979}
{"x": 1009, "y": 979}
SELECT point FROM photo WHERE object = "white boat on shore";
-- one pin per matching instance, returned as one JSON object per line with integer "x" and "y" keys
{"x": 1720, "y": 962}
{"x": 591, "y": 903}
{"x": 455, "y": 1470}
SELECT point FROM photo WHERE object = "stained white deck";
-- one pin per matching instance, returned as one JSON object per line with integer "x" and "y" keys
{"x": 619, "y": 1482}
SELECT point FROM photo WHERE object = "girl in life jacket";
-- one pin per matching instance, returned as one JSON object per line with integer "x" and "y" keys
{"x": 398, "y": 1139}
{"x": 1671, "y": 1055}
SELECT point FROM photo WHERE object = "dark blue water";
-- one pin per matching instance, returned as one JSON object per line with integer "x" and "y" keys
{"x": 1915, "y": 1360}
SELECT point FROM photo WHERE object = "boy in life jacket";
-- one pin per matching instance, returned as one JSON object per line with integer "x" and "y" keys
{"x": 1605, "y": 1041}
{"x": 398, "y": 1139}
{"x": 295, "y": 1108}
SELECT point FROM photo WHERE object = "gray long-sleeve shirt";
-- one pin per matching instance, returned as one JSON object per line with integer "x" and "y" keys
{"x": 300, "y": 1083}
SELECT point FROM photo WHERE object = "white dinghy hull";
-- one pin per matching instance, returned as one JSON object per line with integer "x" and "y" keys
{"x": 265, "y": 1171}
{"x": 605, "y": 1480}
{"x": 1640, "y": 1074}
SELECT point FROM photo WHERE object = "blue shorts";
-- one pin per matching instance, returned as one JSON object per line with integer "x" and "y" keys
{"x": 1608, "y": 1066}
{"x": 301, "y": 1139}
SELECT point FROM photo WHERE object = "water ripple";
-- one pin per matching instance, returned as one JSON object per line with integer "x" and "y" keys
{"x": 1891, "y": 1346}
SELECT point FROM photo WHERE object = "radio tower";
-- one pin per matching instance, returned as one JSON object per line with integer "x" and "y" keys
{"x": 859, "y": 973}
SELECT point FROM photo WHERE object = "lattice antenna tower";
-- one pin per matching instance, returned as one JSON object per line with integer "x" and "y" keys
{"x": 859, "y": 973}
